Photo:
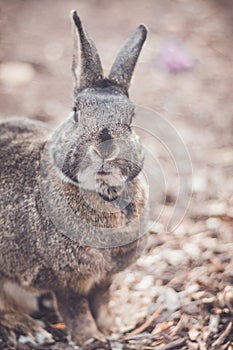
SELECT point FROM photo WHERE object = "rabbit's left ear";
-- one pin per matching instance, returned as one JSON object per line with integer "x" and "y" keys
{"x": 123, "y": 67}
{"x": 89, "y": 69}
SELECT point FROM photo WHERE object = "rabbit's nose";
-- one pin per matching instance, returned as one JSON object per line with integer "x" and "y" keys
{"x": 106, "y": 150}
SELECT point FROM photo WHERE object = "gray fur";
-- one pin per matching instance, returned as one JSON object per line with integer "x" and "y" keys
{"x": 90, "y": 69}
{"x": 123, "y": 67}
{"x": 73, "y": 201}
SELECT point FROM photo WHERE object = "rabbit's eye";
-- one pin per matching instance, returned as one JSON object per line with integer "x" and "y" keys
{"x": 76, "y": 114}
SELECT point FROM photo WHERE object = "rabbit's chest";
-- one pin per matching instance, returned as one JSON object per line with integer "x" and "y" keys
{"x": 79, "y": 281}
{"x": 78, "y": 268}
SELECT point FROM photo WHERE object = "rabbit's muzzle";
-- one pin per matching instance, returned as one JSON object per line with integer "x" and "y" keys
{"x": 102, "y": 176}
{"x": 106, "y": 170}
{"x": 107, "y": 151}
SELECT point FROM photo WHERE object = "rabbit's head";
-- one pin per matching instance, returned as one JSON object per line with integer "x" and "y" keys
{"x": 96, "y": 148}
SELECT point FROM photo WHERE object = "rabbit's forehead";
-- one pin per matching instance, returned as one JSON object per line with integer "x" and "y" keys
{"x": 104, "y": 109}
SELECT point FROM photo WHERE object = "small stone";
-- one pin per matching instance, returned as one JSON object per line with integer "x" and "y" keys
{"x": 199, "y": 183}
{"x": 193, "y": 288}
{"x": 226, "y": 297}
{"x": 145, "y": 283}
{"x": 193, "y": 334}
{"x": 116, "y": 345}
{"x": 192, "y": 250}
{"x": 213, "y": 323}
{"x": 217, "y": 208}
{"x": 174, "y": 256}
{"x": 213, "y": 223}
{"x": 25, "y": 339}
{"x": 169, "y": 299}
{"x": 148, "y": 260}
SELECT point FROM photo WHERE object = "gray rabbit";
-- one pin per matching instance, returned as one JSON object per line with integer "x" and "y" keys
{"x": 74, "y": 200}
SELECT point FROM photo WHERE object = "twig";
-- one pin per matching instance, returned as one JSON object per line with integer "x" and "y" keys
{"x": 183, "y": 320}
{"x": 58, "y": 326}
{"x": 173, "y": 344}
{"x": 223, "y": 336}
{"x": 145, "y": 325}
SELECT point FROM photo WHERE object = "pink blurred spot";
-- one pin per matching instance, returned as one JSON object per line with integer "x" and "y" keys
{"x": 174, "y": 58}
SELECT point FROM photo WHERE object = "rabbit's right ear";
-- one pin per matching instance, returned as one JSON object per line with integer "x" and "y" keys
{"x": 86, "y": 68}
{"x": 123, "y": 67}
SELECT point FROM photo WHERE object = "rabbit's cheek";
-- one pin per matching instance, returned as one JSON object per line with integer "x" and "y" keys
{"x": 87, "y": 179}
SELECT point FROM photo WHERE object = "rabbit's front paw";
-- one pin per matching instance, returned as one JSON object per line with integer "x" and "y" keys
{"x": 77, "y": 317}
{"x": 106, "y": 321}
{"x": 84, "y": 333}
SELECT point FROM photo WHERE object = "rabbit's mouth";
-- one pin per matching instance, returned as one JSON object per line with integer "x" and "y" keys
{"x": 108, "y": 183}
{"x": 102, "y": 172}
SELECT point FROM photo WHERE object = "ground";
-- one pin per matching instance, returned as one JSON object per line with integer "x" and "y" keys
{"x": 179, "y": 294}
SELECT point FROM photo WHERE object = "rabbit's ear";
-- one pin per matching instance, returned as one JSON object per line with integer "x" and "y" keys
{"x": 123, "y": 67}
{"x": 86, "y": 60}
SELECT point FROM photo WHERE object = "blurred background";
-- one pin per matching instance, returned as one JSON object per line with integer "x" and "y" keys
{"x": 185, "y": 72}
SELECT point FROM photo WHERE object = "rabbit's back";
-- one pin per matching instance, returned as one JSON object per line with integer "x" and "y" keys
{"x": 21, "y": 141}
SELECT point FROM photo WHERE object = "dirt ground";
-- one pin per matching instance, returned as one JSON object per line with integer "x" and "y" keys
{"x": 179, "y": 294}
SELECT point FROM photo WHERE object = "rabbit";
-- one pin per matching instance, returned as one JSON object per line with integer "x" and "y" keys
{"x": 74, "y": 200}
